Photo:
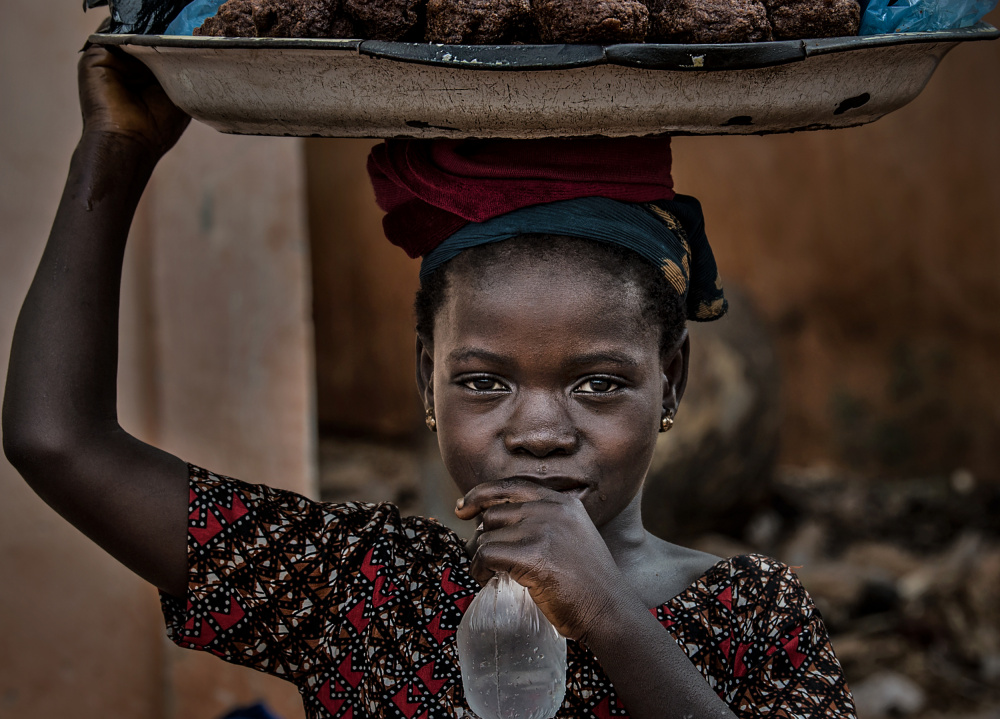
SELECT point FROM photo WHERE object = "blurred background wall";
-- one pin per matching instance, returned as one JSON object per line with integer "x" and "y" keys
{"x": 216, "y": 366}
{"x": 868, "y": 258}
{"x": 871, "y": 254}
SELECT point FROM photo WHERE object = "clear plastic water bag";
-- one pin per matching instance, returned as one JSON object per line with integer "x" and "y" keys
{"x": 513, "y": 660}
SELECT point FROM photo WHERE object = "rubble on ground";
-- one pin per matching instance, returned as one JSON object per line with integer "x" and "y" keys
{"x": 907, "y": 576}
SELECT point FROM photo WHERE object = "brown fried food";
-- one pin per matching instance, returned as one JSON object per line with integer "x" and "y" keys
{"x": 802, "y": 19}
{"x": 478, "y": 22}
{"x": 234, "y": 19}
{"x": 600, "y": 22}
{"x": 708, "y": 21}
{"x": 343, "y": 27}
{"x": 387, "y": 19}
{"x": 300, "y": 18}
{"x": 279, "y": 18}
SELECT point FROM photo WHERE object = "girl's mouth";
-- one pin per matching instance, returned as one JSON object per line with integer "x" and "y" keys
{"x": 563, "y": 485}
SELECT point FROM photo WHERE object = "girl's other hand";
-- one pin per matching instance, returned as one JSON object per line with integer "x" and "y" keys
{"x": 122, "y": 100}
{"x": 547, "y": 542}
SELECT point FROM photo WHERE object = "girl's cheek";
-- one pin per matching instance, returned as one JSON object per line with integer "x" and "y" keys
{"x": 462, "y": 466}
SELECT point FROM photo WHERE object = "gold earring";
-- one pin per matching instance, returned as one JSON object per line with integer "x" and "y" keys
{"x": 667, "y": 423}
{"x": 430, "y": 421}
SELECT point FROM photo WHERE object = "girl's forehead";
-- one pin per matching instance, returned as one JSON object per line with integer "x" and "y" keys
{"x": 581, "y": 273}
{"x": 545, "y": 306}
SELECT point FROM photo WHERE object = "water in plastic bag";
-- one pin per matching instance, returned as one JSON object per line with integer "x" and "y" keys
{"x": 513, "y": 660}
{"x": 888, "y": 16}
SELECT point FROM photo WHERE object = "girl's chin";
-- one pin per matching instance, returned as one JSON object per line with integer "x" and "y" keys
{"x": 578, "y": 492}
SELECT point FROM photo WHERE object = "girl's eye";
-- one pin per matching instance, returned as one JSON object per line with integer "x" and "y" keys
{"x": 485, "y": 384}
{"x": 597, "y": 386}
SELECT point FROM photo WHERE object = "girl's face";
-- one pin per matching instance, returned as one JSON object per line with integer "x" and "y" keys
{"x": 551, "y": 374}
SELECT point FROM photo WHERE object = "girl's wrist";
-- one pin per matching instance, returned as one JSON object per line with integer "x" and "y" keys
{"x": 108, "y": 166}
{"x": 624, "y": 609}
{"x": 118, "y": 147}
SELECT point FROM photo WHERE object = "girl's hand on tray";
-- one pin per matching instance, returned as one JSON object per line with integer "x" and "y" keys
{"x": 548, "y": 543}
{"x": 122, "y": 100}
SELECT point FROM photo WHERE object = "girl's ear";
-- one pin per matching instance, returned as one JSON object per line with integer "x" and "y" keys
{"x": 675, "y": 374}
{"x": 425, "y": 373}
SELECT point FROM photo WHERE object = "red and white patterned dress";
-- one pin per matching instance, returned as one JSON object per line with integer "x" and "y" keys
{"x": 358, "y": 607}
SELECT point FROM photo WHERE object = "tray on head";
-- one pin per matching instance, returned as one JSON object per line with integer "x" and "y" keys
{"x": 368, "y": 88}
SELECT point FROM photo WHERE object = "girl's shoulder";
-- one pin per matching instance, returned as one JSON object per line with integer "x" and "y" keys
{"x": 754, "y": 571}
{"x": 750, "y": 627}
{"x": 748, "y": 579}
{"x": 758, "y": 594}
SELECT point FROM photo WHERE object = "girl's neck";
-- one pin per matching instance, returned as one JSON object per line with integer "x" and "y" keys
{"x": 627, "y": 540}
{"x": 657, "y": 570}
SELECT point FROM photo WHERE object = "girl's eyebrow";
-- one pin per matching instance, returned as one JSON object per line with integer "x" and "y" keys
{"x": 620, "y": 359}
{"x": 608, "y": 357}
{"x": 470, "y": 353}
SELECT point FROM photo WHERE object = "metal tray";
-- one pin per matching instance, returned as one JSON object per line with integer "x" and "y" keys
{"x": 367, "y": 88}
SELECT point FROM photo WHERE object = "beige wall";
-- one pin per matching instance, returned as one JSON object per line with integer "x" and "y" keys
{"x": 364, "y": 357}
{"x": 874, "y": 253}
{"x": 216, "y": 367}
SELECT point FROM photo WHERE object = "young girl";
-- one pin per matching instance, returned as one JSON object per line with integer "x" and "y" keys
{"x": 551, "y": 350}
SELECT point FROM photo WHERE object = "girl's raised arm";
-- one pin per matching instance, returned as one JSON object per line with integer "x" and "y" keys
{"x": 60, "y": 423}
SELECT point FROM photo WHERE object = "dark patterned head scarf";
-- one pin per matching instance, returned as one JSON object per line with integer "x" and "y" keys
{"x": 443, "y": 197}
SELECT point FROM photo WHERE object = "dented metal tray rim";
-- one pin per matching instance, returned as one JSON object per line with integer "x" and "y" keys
{"x": 367, "y": 88}
{"x": 699, "y": 57}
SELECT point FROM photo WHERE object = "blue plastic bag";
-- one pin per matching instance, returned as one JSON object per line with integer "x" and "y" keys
{"x": 193, "y": 16}
{"x": 888, "y": 16}
{"x": 144, "y": 17}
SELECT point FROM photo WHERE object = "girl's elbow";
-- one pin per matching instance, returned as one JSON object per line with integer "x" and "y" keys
{"x": 35, "y": 451}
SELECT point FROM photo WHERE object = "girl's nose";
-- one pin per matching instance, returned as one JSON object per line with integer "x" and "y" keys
{"x": 540, "y": 426}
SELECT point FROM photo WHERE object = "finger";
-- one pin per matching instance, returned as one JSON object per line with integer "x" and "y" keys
{"x": 86, "y": 67}
{"x": 120, "y": 61}
{"x": 501, "y": 491}
{"x": 91, "y": 53}
{"x": 518, "y": 534}
{"x": 509, "y": 548}
{"x": 97, "y": 59}
{"x": 480, "y": 572}
{"x": 100, "y": 76}
{"x": 103, "y": 66}
{"x": 502, "y": 515}
{"x": 494, "y": 554}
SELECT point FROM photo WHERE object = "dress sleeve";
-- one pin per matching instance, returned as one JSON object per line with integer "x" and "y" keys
{"x": 794, "y": 673}
{"x": 264, "y": 572}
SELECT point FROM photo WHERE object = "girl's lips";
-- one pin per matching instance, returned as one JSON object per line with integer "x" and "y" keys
{"x": 566, "y": 485}
{"x": 578, "y": 492}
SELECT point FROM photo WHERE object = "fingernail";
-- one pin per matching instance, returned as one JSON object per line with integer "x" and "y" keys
{"x": 460, "y": 503}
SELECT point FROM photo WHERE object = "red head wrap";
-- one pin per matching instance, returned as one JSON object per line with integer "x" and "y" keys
{"x": 430, "y": 189}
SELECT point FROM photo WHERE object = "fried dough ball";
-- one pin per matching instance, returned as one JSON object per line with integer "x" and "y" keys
{"x": 302, "y": 18}
{"x": 387, "y": 19}
{"x": 234, "y": 19}
{"x": 600, "y": 22}
{"x": 803, "y": 19}
{"x": 279, "y": 18}
{"x": 478, "y": 22}
{"x": 708, "y": 21}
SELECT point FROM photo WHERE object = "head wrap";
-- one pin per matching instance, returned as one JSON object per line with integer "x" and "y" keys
{"x": 444, "y": 196}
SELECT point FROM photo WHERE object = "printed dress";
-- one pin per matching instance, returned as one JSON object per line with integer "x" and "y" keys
{"x": 358, "y": 607}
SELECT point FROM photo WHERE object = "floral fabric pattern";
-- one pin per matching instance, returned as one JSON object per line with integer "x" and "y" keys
{"x": 358, "y": 607}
